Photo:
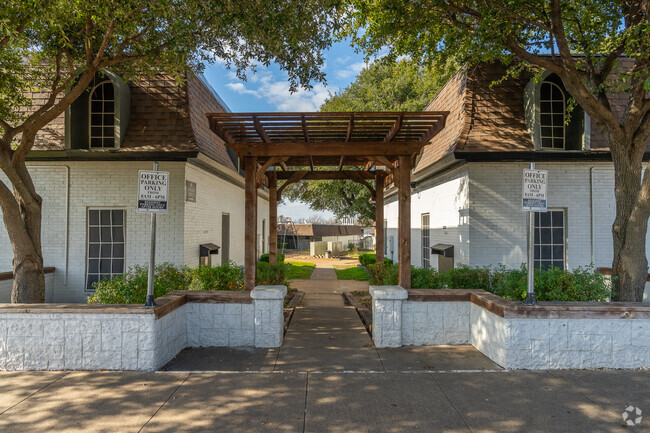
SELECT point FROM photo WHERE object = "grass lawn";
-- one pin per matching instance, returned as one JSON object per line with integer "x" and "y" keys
{"x": 351, "y": 273}
{"x": 300, "y": 270}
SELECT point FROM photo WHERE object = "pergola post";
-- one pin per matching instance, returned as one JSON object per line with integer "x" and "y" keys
{"x": 379, "y": 217}
{"x": 404, "y": 236}
{"x": 273, "y": 218}
{"x": 250, "y": 222}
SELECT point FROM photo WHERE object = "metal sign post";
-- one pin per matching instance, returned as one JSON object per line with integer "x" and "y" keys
{"x": 152, "y": 198}
{"x": 533, "y": 200}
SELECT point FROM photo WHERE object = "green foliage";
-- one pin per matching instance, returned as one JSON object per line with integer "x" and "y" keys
{"x": 465, "y": 277}
{"x": 299, "y": 270}
{"x": 581, "y": 284}
{"x": 426, "y": 279}
{"x": 392, "y": 86}
{"x": 223, "y": 277}
{"x": 383, "y": 275}
{"x": 131, "y": 287}
{"x": 355, "y": 273}
{"x": 272, "y": 275}
{"x": 371, "y": 258}
{"x": 265, "y": 258}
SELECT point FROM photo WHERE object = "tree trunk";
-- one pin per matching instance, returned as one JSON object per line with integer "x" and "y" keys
{"x": 630, "y": 264}
{"x": 21, "y": 214}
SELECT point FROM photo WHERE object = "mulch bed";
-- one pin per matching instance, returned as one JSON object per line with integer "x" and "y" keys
{"x": 362, "y": 302}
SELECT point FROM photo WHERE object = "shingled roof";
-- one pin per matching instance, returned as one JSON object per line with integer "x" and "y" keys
{"x": 164, "y": 117}
{"x": 486, "y": 117}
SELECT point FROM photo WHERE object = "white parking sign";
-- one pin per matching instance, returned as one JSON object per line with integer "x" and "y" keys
{"x": 152, "y": 191}
{"x": 534, "y": 190}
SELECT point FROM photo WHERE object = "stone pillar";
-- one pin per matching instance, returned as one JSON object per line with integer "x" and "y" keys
{"x": 387, "y": 315}
{"x": 268, "y": 303}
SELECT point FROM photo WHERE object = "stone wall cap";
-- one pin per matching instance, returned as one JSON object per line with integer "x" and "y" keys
{"x": 388, "y": 292}
{"x": 269, "y": 292}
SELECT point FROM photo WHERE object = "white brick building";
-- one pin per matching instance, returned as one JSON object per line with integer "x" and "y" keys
{"x": 467, "y": 184}
{"x": 90, "y": 224}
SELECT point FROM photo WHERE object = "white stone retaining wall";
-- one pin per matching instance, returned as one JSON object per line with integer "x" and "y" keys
{"x": 512, "y": 342}
{"x": 561, "y": 343}
{"x": 137, "y": 340}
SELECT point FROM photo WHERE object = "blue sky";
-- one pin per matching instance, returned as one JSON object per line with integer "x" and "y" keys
{"x": 268, "y": 90}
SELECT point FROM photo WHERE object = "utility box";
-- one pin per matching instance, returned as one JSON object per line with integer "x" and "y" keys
{"x": 205, "y": 253}
{"x": 445, "y": 253}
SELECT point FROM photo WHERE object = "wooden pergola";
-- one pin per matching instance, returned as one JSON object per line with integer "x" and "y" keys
{"x": 378, "y": 146}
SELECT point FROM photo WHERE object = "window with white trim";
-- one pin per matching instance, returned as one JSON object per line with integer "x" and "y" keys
{"x": 102, "y": 116}
{"x": 106, "y": 244}
{"x": 550, "y": 239}
{"x": 552, "y": 106}
{"x": 426, "y": 241}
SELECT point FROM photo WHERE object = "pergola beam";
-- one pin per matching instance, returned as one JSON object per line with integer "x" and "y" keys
{"x": 336, "y": 148}
{"x": 260, "y": 130}
{"x": 327, "y": 175}
{"x": 395, "y": 129}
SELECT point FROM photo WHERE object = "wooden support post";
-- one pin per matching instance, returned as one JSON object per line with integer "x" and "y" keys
{"x": 273, "y": 218}
{"x": 250, "y": 223}
{"x": 404, "y": 235}
{"x": 379, "y": 217}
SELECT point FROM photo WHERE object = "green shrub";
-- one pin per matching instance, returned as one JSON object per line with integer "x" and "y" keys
{"x": 422, "y": 278}
{"x": 386, "y": 275}
{"x": 509, "y": 283}
{"x": 465, "y": 277}
{"x": 271, "y": 275}
{"x": 224, "y": 277}
{"x": 265, "y": 258}
{"x": 580, "y": 284}
{"x": 131, "y": 287}
{"x": 371, "y": 258}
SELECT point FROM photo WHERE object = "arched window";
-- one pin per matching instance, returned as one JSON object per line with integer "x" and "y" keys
{"x": 102, "y": 115}
{"x": 99, "y": 117}
{"x": 552, "y": 107}
{"x": 550, "y": 123}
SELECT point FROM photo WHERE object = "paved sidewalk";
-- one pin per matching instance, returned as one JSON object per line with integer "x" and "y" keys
{"x": 545, "y": 402}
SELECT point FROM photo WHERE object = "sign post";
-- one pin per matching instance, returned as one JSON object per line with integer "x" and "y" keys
{"x": 153, "y": 187}
{"x": 533, "y": 200}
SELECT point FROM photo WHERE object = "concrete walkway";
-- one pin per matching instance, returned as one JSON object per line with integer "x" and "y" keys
{"x": 545, "y": 402}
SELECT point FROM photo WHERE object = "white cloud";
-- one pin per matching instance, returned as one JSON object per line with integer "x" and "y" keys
{"x": 349, "y": 71}
{"x": 276, "y": 93}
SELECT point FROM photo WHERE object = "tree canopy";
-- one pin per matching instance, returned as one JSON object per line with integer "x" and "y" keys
{"x": 381, "y": 86}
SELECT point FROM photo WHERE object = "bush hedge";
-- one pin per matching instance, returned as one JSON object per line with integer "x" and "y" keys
{"x": 131, "y": 287}
{"x": 371, "y": 258}
{"x": 553, "y": 284}
{"x": 265, "y": 258}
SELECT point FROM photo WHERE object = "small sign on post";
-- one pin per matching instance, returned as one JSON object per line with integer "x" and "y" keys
{"x": 153, "y": 187}
{"x": 534, "y": 192}
{"x": 152, "y": 191}
{"x": 533, "y": 200}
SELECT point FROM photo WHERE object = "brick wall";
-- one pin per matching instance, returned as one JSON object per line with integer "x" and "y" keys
{"x": 216, "y": 196}
{"x": 445, "y": 199}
